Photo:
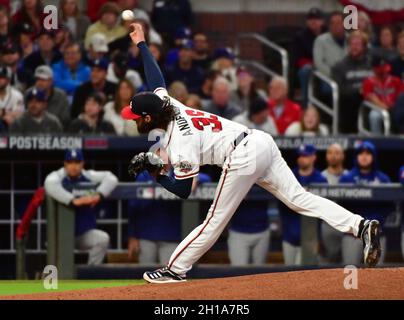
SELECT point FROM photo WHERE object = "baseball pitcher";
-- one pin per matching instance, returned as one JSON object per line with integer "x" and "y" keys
{"x": 193, "y": 138}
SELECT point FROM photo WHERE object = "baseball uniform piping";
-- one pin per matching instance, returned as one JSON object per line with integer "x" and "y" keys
{"x": 203, "y": 228}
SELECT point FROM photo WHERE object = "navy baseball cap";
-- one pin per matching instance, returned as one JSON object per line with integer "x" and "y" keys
{"x": 144, "y": 103}
{"x": 315, "y": 13}
{"x": 183, "y": 33}
{"x": 187, "y": 44}
{"x": 99, "y": 63}
{"x": 365, "y": 145}
{"x": 224, "y": 52}
{"x": 74, "y": 155}
{"x": 306, "y": 150}
{"x": 36, "y": 94}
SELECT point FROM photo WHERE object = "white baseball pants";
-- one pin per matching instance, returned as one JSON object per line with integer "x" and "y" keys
{"x": 96, "y": 242}
{"x": 256, "y": 159}
{"x": 248, "y": 248}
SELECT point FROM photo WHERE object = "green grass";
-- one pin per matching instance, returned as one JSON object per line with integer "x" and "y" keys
{"x": 13, "y": 287}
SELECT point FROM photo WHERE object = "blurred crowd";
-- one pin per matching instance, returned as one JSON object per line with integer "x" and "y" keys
{"x": 77, "y": 78}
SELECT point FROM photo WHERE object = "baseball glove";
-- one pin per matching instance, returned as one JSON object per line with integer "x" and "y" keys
{"x": 145, "y": 161}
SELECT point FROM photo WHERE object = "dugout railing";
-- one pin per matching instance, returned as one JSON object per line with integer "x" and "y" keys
{"x": 60, "y": 219}
{"x": 38, "y": 155}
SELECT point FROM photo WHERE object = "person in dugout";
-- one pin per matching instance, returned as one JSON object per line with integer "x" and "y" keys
{"x": 306, "y": 174}
{"x": 154, "y": 226}
{"x": 249, "y": 234}
{"x": 365, "y": 172}
{"x": 62, "y": 186}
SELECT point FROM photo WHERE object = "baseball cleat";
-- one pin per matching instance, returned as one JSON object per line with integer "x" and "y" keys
{"x": 371, "y": 241}
{"x": 163, "y": 275}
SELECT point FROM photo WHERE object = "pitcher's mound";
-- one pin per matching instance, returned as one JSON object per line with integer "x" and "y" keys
{"x": 384, "y": 283}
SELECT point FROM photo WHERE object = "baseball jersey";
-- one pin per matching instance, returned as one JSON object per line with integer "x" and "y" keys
{"x": 196, "y": 138}
{"x": 64, "y": 189}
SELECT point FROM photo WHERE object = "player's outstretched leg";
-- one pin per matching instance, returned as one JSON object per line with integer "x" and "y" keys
{"x": 281, "y": 182}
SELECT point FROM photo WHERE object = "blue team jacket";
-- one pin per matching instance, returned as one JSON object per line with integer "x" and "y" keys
{"x": 67, "y": 81}
{"x": 86, "y": 216}
{"x": 368, "y": 210}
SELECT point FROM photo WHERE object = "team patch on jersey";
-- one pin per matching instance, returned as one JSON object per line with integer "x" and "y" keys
{"x": 184, "y": 166}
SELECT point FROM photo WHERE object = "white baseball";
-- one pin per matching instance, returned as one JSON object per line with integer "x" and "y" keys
{"x": 128, "y": 15}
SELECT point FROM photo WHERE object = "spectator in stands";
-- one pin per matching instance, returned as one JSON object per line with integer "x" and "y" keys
{"x": 249, "y": 234}
{"x": 397, "y": 64}
{"x": 98, "y": 48}
{"x": 57, "y": 102}
{"x": 5, "y": 26}
{"x": 168, "y": 16}
{"x": 60, "y": 185}
{"x": 119, "y": 69}
{"x": 36, "y": 120}
{"x": 382, "y": 89}
{"x": 309, "y": 125}
{"x": 185, "y": 70}
{"x": 330, "y": 47}
{"x": 70, "y": 72}
{"x": 223, "y": 62}
{"x": 24, "y": 39}
{"x": 30, "y": 13}
{"x": 98, "y": 83}
{"x": 108, "y": 24}
{"x": 331, "y": 239}
{"x": 365, "y": 25}
{"x": 246, "y": 89}
{"x": 72, "y": 18}
{"x": 47, "y": 54}
{"x": 303, "y": 49}
{"x": 364, "y": 172}
{"x": 11, "y": 100}
{"x": 91, "y": 121}
{"x": 349, "y": 74}
{"x": 256, "y": 117}
{"x": 178, "y": 91}
{"x": 205, "y": 91}
{"x": 220, "y": 103}
{"x": 11, "y": 58}
{"x": 63, "y": 38}
{"x": 193, "y": 101}
{"x": 281, "y": 109}
{"x": 202, "y": 56}
{"x": 306, "y": 173}
{"x": 112, "y": 110}
{"x": 386, "y": 48}
{"x": 182, "y": 36}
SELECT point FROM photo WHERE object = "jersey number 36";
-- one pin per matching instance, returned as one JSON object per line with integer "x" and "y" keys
{"x": 200, "y": 120}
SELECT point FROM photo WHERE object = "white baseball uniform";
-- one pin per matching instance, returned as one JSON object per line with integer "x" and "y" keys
{"x": 197, "y": 138}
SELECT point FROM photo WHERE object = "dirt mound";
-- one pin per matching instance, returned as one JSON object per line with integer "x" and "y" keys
{"x": 384, "y": 283}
